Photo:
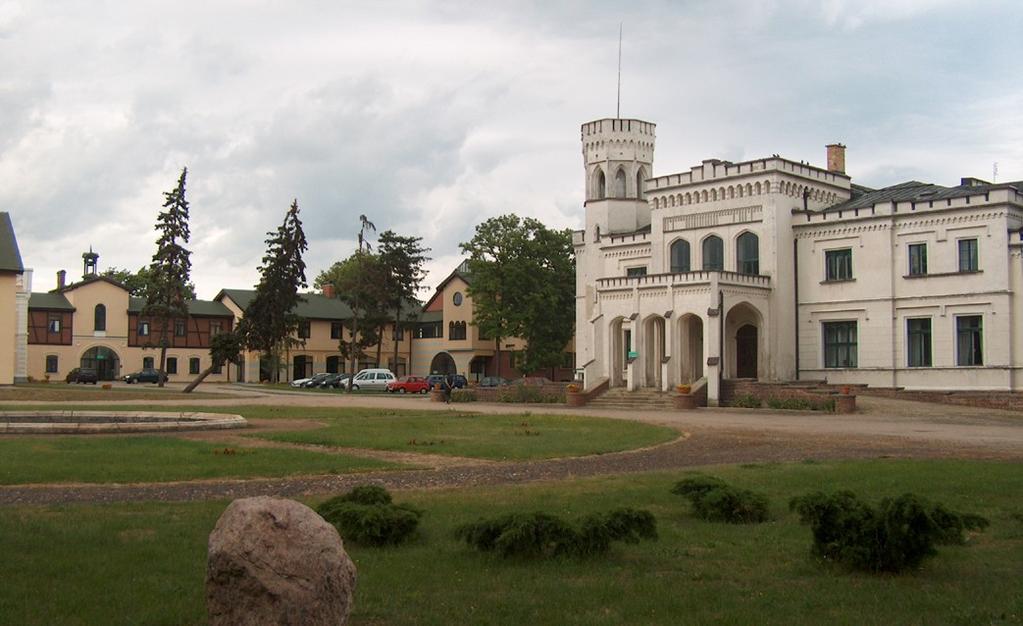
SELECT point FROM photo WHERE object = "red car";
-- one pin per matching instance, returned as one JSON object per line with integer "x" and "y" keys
{"x": 409, "y": 384}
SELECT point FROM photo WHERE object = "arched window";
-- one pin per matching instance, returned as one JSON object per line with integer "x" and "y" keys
{"x": 747, "y": 254}
{"x": 713, "y": 253}
{"x": 620, "y": 184}
{"x": 640, "y": 175}
{"x": 680, "y": 256}
{"x": 601, "y": 186}
{"x": 100, "y": 317}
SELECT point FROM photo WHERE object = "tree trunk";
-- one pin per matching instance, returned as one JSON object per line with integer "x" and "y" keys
{"x": 352, "y": 356}
{"x": 380, "y": 341}
{"x": 397, "y": 320}
{"x": 497, "y": 344}
{"x": 163, "y": 354}
{"x": 201, "y": 377}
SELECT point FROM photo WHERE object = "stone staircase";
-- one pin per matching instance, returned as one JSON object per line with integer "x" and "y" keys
{"x": 618, "y": 398}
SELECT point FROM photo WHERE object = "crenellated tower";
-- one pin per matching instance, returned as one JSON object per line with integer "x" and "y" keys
{"x": 618, "y": 155}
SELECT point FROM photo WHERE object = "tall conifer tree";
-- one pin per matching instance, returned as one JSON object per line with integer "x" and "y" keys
{"x": 167, "y": 288}
{"x": 270, "y": 318}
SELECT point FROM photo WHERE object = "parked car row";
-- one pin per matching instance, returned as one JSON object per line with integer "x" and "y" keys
{"x": 380, "y": 379}
{"x": 328, "y": 380}
{"x": 81, "y": 376}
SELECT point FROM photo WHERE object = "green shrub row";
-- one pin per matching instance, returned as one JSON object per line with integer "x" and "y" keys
{"x": 367, "y": 515}
{"x": 898, "y": 535}
{"x": 531, "y": 394}
{"x": 541, "y": 535}
{"x": 749, "y": 401}
{"x": 716, "y": 501}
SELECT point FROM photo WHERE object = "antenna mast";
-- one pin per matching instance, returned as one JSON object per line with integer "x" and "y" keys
{"x": 618, "y": 109}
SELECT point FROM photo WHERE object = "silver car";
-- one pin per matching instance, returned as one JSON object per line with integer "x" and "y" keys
{"x": 373, "y": 379}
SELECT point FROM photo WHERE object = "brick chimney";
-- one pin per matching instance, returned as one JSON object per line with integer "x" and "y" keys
{"x": 61, "y": 279}
{"x": 328, "y": 291}
{"x": 836, "y": 158}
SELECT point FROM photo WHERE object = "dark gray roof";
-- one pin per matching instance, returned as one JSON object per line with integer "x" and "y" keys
{"x": 915, "y": 191}
{"x": 313, "y": 306}
{"x": 49, "y": 300}
{"x": 10, "y": 256}
{"x": 202, "y": 308}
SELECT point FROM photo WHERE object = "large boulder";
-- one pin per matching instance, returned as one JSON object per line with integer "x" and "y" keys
{"x": 275, "y": 561}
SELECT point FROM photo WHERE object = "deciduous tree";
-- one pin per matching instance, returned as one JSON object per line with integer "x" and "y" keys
{"x": 225, "y": 347}
{"x": 522, "y": 285}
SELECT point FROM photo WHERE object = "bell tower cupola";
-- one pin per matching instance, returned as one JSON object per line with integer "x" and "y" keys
{"x": 618, "y": 156}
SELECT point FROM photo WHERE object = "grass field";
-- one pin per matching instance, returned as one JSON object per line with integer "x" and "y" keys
{"x": 499, "y": 437}
{"x": 127, "y": 459}
{"x": 62, "y": 392}
{"x": 145, "y": 563}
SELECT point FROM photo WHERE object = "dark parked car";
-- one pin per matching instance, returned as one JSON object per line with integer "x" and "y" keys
{"x": 82, "y": 375}
{"x": 457, "y": 381}
{"x": 493, "y": 381}
{"x": 316, "y": 380}
{"x": 145, "y": 375}
{"x": 334, "y": 381}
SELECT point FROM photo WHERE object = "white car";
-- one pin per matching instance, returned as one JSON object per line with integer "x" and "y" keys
{"x": 300, "y": 382}
{"x": 375, "y": 379}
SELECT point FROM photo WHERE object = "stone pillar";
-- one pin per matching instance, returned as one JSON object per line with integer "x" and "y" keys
{"x": 24, "y": 284}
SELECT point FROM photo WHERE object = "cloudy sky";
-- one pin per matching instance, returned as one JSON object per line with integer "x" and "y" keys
{"x": 430, "y": 117}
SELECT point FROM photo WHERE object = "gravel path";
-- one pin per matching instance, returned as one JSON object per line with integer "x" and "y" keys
{"x": 882, "y": 428}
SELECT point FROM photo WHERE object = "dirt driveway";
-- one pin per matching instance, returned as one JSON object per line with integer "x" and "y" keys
{"x": 882, "y": 428}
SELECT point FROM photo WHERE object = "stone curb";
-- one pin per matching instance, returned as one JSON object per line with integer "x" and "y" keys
{"x": 112, "y": 422}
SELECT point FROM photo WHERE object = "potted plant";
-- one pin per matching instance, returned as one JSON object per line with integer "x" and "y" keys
{"x": 684, "y": 400}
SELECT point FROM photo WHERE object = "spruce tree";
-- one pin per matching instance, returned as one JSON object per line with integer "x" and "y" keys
{"x": 270, "y": 318}
{"x": 167, "y": 287}
{"x": 403, "y": 259}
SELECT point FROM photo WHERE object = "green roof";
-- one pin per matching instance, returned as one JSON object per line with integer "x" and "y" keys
{"x": 49, "y": 300}
{"x": 10, "y": 256}
{"x": 208, "y": 308}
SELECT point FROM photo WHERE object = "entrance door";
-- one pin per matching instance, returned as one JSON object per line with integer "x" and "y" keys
{"x": 103, "y": 360}
{"x": 746, "y": 352}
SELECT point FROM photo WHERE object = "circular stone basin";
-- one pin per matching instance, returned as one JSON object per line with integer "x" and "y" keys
{"x": 106, "y": 422}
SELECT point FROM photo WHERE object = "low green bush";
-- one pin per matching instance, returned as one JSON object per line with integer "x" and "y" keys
{"x": 898, "y": 535}
{"x": 746, "y": 402}
{"x": 800, "y": 404}
{"x": 531, "y": 394}
{"x": 366, "y": 515}
{"x": 715, "y": 500}
{"x": 541, "y": 535}
{"x": 463, "y": 395}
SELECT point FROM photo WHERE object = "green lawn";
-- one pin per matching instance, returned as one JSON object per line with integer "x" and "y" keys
{"x": 522, "y": 436}
{"x": 458, "y": 433}
{"x": 145, "y": 563}
{"x": 62, "y": 392}
{"x": 101, "y": 459}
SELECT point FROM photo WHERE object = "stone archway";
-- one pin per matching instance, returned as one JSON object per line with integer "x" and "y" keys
{"x": 443, "y": 363}
{"x": 102, "y": 359}
{"x": 690, "y": 348}
{"x": 653, "y": 351}
{"x": 743, "y": 339}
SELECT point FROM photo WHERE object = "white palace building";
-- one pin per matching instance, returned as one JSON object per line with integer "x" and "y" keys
{"x": 778, "y": 270}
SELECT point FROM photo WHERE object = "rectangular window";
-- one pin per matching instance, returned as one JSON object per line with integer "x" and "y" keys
{"x": 143, "y": 329}
{"x": 214, "y": 329}
{"x": 172, "y": 365}
{"x": 193, "y": 365}
{"x": 335, "y": 330}
{"x": 217, "y": 369}
{"x": 53, "y": 325}
{"x": 917, "y": 259}
{"x": 635, "y": 271}
{"x": 51, "y": 363}
{"x": 968, "y": 261}
{"x": 918, "y": 350}
{"x": 304, "y": 330}
{"x": 969, "y": 340}
{"x": 147, "y": 363}
{"x": 839, "y": 344}
{"x": 399, "y": 333}
{"x": 628, "y": 344}
{"x": 179, "y": 328}
{"x": 838, "y": 264}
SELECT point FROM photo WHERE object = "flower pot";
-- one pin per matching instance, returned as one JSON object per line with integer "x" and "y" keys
{"x": 683, "y": 389}
{"x": 845, "y": 403}
{"x": 845, "y": 390}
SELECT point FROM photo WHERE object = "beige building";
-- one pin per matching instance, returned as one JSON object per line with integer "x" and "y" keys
{"x": 776, "y": 269}
{"x": 95, "y": 323}
{"x": 11, "y": 277}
